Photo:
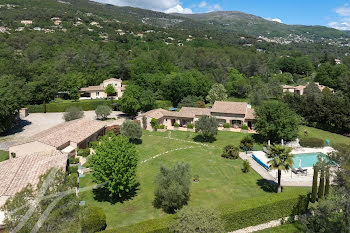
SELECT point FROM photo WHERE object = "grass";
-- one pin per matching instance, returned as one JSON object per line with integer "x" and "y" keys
{"x": 285, "y": 228}
{"x": 318, "y": 133}
{"x": 222, "y": 182}
{"x": 4, "y": 155}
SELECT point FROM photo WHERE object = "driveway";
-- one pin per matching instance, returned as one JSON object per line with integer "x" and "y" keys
{"x": 38, "y": 122}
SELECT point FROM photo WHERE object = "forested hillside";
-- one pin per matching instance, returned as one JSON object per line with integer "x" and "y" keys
{"x": 51, "y": 46}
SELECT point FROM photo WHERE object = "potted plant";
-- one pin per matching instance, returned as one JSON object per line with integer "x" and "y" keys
{"x": 196, "y": 178}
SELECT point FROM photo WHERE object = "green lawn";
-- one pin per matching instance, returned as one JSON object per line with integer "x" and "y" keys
{"x": 221, "y": 181}
{"x": 286, "y": 228}
{"x": 4, "y": 155}
{"x": 318, "y": 133}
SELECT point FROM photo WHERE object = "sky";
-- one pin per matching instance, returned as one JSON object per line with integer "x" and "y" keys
{"x": 331, "y": 13}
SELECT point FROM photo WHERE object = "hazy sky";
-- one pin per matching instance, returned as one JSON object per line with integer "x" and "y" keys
{"x": 332, "y": 13}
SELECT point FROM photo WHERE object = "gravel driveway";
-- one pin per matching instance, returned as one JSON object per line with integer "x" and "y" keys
{"x": 38, "y": 122}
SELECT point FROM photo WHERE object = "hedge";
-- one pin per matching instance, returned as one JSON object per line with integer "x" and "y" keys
{"x": 233, "y": 220}
{"x": 262, "y": 214}
{"x": 312, "y": 142}
{"x": 159, "y": 225}
{"x": 85, "y": 105}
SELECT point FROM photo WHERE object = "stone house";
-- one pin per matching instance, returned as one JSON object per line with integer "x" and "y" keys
{"x": 97, "y": 92}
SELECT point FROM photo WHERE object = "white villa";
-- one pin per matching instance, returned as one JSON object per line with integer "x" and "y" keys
{"x": 97, "y": 92}
{"x": 299, "y": 90}
{"x": 235, "y": 113}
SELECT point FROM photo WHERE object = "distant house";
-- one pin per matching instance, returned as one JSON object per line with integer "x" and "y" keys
{"x": 26, "y": 22}
{"x": 97, "y": 92}
{"x": 299, "y": 90}
{"x": 234, "y": 113}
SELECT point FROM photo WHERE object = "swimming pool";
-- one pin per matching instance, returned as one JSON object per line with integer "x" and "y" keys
{"x": 307, "y": 159}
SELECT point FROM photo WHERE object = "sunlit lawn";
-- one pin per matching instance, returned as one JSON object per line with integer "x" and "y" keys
{"x": 318, "y": 133}
{"x": 221, "y": 181}
{"x": 286, "y": 228}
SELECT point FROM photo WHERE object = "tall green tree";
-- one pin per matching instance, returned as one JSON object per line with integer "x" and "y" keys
{"x": 280, "y": 159}
{"x": 109, "y": 90}
{"x": 172, "y": 190}
{"x": 131, "y": 130}
{"x": 276, "y": 121}
{"x": 114, "y": 165}
{"x": 207, "y": 126}
{"x": 314, "y": 185}
{"x": 217, "y": 93}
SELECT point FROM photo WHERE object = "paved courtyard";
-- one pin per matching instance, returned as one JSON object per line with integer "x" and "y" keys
{"x": 38, "y": 122}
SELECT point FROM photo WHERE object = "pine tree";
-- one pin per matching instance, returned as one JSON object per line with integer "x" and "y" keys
{"x": 326, "y": 191}
{"x": 314, "y": 185}
{"x": 321, "y": 186}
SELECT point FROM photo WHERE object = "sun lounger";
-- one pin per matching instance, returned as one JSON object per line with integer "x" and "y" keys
{"x": 295, "y": 171}
{"x": 302, "y": 171}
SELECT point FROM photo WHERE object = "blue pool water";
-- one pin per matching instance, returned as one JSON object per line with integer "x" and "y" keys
{"x": 307, "y": 160}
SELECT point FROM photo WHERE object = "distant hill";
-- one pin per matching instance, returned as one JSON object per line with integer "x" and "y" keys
{"x": 244, "y": 23}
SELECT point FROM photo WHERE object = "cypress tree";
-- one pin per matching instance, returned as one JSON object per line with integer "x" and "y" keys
{"x": 314, "y": 185}
{"x": 321, "y": 185}
{"x": 326, "y": 190}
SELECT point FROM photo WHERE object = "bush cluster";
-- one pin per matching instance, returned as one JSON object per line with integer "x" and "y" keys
{"x": 312, "y": 142}
{"x": 86, "y": 105}
{"x": 190, "y": 126}
{"x": 245, "y": 127}
{"x": 73, "y": 160}
{"x": 227, "y": 125}
{"x": 162, "y": 127}
{"x": 73, "y": 169}
{"x": 230, "y": 152}
{"x": 73, "y": 113}
{"x": 176, "y": 125}
{"x": 93, "y": 219}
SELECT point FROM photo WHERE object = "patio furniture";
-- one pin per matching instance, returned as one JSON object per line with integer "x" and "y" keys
{"x": 302, "y": 171}
{"x": 295, "y": 171}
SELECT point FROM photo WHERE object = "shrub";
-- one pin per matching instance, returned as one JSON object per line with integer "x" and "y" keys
{"x": 73, "y": 113}
{"x": 162, "y": 127}
{"x": 230, "y": 152}
{"x": 190, "y": 126}
{"x": 93, "y": 219}
{"x": 312, "y": 142}
{"x": 197, "y": 220}
{"x": 246, "y": 166}
{"x": 84, "y": 152}
{"x": 103, "y": 111}
{"x": 176, "y": 125}
{"x": 245, "y": 127}
{"x": 94, "y": 144}
{"x": 131, "y": 129}
{"x": 73, "y": 160}
{"x": 227, "y": 125}
{"x": 154, "y": 124}
{"x": 172, "y": 190}
{"x": 247, "y": 143}
{"x": 73, "y": 169}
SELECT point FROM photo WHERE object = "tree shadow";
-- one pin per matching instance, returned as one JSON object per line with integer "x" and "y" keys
{"x": 17, "y": 128}
{"x": 269, "y": 186}
{"x": 202, "y": 139}
{"x": 136, "y": 141}
{"x": 101, "y": 194}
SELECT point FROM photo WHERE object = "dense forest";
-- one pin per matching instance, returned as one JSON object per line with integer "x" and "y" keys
{"x": 66, "y": 45}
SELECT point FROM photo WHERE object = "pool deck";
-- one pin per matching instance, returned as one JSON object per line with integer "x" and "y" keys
{"x": 288, "y": 178}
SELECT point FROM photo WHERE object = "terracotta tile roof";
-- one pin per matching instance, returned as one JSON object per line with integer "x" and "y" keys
{"x": 229, "y": 107}
{"x": 250, "y": 115}
{"x": 17, "y": 173}
{"x": 72, "y": 131}
{"x": 189, "y": 112}
{"x": 159, "y": 113}
{"x": 113, "y": 79}
{"x": 93, "y": 88}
